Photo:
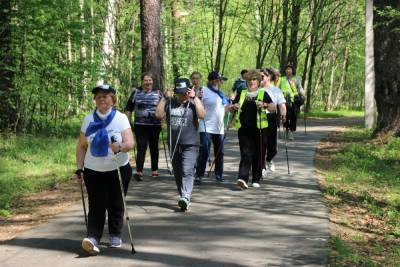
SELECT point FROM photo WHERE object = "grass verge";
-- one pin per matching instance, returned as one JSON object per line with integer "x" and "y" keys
{"x": 30, "y": 164}
{"x": 360, "y": 177}
{"x": 333, "y": 114}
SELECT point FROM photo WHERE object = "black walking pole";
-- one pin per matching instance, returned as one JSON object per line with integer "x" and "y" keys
{"x": 165, "y": 153}
{"x": 260, "y": 145}
{"x": 287, "y": 155}
{"x": 113, "y": 140}
{"x": 222, "y": 142}
{"x": 305, "y": 120}
{"x": 84, "y": 208}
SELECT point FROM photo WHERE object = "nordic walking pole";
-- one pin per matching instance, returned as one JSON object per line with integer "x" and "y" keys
{"x": 222, "y": 142}
{"x": 165, "y": 152}
{"x": 113, "y": 140}
{"x": 84, "y": 208}
{"x": 287, "y": 155}
{"x": 180, "y": 130}
{"x": 305, "y": 120}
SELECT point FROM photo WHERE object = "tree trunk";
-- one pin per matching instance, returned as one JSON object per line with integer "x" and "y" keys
{"x": 283, "y": 58}
{"x": 295, "y": 22}
{"x": 343, "y": 77}
{"x": 220, "y": 42}
{"x": 150, "y": 15}
{"x": 175, "y": 37}
{"x": 387, "y": 67}
{"x": 370, "y": 104}
{"x": 7, "y": 90}
{"x": 109, "y": 39}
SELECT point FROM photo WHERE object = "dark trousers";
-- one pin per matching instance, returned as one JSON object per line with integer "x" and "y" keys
{"x": 147, "y": 134}
{"x": 104, "y": 194}
{"x": 183, "y": 164}
{"x": 291, "y": 117}
{"x": 271, "y": 141}
{"x": 251, "y": 156}
{"x": 204, "y": 153}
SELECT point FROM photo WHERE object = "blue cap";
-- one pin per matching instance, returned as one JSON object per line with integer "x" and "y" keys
{"x": 181, "y": 85}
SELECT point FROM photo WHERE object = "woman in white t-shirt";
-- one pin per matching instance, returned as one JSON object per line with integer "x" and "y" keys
{"x": 96, "y": 166}
{"x": 277, "y": 97}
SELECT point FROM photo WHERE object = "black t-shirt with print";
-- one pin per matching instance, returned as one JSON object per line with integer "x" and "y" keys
{"x": 185, "y": 117}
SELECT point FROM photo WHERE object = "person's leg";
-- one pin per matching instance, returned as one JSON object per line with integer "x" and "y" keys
{"x": 257, "y": 158}
{"x": 96, "y": 188}
{"x": 247, "y": 148}
{"x": 271, "y": 139}
{"x": 115, "y": 207}
{"x": 204, "y": 152}
{"x": 154, "y": 136}
{"x": 189, "y": 154}
{"x": 293, "y": 121}
{"x": 141, "y": 141}
{"x": 218, "y": 142}
{"x": 177, "y": 167}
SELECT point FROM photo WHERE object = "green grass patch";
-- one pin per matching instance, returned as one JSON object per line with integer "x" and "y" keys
{"x": 31, "y": 163}
{"x": 365, "y": 173}
{"x": 333, "y": 114}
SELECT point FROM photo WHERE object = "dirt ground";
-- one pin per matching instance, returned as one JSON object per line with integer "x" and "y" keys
{"x": 35, "y": 209}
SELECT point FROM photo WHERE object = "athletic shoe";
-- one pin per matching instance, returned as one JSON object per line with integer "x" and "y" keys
{"x": 197, "y": 180}
{"x": 154, "y": 174}
{"x": 219, "y": 178}
{"x": 184, "y": 203}
{"x": 115, "y": 241}
{"x": 264, "y": 173}
{"x": 256, "y": 185}
{"x": 90, "y": 244}
{"x": 271, "y": 166}
{"x": 242, "y": 184}
{"x": 291, "y": 137}
{"x": 138, "y": 177}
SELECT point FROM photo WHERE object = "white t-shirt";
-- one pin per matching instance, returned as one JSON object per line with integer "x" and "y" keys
{"x": 115, "y": 128}
{"x": 213, "y": 121}
{"x": 276, "y": 95}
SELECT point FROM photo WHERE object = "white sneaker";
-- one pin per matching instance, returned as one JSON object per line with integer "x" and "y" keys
{"x": 264, "y": 173}
{"x": 90, "y": 246}
{"x": 271, "y": 166}
{"x": 291, "y": 137}
{"x": 242, "y": 184}
{"x": 256, "y": 185}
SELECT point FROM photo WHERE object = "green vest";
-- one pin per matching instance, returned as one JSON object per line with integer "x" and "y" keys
{"x": 261, "y": 116}
{"x": 288, "y": 91}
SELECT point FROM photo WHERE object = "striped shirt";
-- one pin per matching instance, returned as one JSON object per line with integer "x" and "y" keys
{"x": 144, "y": 105}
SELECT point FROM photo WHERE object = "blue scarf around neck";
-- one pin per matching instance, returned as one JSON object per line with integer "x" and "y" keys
{"x": 100, "y": 142}
{"x": 224, "y": 99}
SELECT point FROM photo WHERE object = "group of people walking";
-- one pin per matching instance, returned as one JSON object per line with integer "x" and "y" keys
{"x": 195, "y": 117}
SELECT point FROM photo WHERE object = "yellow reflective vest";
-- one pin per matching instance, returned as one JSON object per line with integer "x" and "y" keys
{"x": 289, "y": 91}
{"x": 262, "y": 120}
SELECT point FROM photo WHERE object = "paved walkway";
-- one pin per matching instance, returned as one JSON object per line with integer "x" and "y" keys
{"x": 283, "y": 223}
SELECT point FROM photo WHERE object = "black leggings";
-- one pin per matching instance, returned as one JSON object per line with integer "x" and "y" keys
{"x": 249, "y": 143}
{"x": 291, "y": 117}
{"x": 270, "y": 141}
{"x": 104, "y": 194}
{"x": 147, "y": 134}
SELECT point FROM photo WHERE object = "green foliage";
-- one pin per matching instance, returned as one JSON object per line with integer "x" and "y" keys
{"x": 31, "y": 164}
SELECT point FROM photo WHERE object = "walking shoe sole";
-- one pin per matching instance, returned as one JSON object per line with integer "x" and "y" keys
{"x": 242, "y": 184}
{"x": 183, "y": 205}
{"x": 115, "y": 246}
{"x": 89, "y": 247}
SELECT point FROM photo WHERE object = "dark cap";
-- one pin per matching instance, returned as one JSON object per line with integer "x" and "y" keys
{"x": 106, "y": 88}
{"x": 215, "y": 75}
{"x": 181, "y": 85}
